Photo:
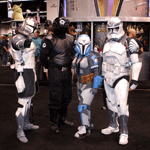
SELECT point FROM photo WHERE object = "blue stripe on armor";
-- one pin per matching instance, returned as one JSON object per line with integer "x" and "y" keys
{"x": 93, "y": 58}
{"x": 80, "y": 109}
{"x": 97, "y": 82}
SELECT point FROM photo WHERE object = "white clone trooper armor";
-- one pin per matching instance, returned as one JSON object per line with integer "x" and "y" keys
{"x": 87, "y": 69}
{"x": 120, "y": 56}
{"x": 23, "y": 50}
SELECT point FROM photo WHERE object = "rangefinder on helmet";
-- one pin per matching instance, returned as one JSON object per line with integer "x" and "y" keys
{"x": 83, "y": 45}
{"x": 60, "y": 25}
{"x": 114, "y": 28}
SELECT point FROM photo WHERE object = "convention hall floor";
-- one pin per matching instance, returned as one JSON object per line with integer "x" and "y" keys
{"x": 44, "y": 138}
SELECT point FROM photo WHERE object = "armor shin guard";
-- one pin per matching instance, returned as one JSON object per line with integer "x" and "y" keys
{"x": 123, "y": 124}
{"x": 20, "y": 133}
{"x": 84, "y": 114}
{"x": 26, "y": 119}
{"x": 113, "y": 119}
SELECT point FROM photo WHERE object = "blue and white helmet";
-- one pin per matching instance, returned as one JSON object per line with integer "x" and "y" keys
{"x": 83, "y": 45}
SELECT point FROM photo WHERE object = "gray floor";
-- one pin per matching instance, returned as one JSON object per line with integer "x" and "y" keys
{"x": 44, "y": 138}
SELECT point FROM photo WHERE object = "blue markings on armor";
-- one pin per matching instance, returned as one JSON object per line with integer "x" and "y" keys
{"x": 93, "y": 58}
{"x": 97, "y": 82}
{"x": 81, "y": 107}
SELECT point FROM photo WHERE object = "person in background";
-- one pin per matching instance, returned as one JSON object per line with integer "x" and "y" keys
{"x": 5, "y": 51}
{"x": 72, "y": 31}
{"x": 132, "y": 34}
{"x": 37, "y": 41}
{"x": 1, "y": 55}
{"x": 145, "y": 48}
{"x": 47, "y": 24}
{"x": 10, "y": 59}
{"x": 48, "y": 30}
{"x": 56, "y": 54}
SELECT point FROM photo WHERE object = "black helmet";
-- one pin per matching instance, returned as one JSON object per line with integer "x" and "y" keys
{"x": 60, "y": 25}
{"x": 47, "y": 24}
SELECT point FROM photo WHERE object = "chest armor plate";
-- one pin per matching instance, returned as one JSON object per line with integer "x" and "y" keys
{"x": 27, "y": 55}
{"x": 84, "y": 67}
{"x": 115, "y": 62}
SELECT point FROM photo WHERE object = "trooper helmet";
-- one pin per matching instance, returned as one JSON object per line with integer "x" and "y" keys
{"x": 115, "y": 28}
{"x": 83, "y": 45}
{"x": 30, "y": 24}
{"x": 60, "y": 25}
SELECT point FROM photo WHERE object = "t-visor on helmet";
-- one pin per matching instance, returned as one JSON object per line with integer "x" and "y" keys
{"x": 114, "y": 28}
{"x": 83, "y": 45}
{"x": 30, "y": 24}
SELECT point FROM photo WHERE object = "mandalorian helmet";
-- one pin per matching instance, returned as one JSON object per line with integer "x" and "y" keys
{"x": 115, "y": 29}
{"x": 60, "y": 25}
{"x": 83, "y": 45}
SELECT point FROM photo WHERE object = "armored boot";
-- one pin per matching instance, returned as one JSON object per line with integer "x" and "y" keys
{"x": 27, "y": 124}
{"x": 113, "y": 127}
{"x": 123, "y": 139}
{"x": 20, "y": 133}
{"x": 83, "y": 131}
{"x": 86, "y": 127}
{"x": 53, "y": 120}
{"x": 89, "y": 128}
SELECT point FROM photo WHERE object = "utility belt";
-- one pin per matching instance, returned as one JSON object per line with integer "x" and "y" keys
{"x": 86, "y": 79}
{"x": 59, "y": 68}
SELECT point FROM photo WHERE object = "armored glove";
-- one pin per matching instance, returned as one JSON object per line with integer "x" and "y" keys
{"x": 94, "y": 91}
{"x": 133, "y": 84}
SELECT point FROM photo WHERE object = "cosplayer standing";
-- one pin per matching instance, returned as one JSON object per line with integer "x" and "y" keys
{"x": 23, "y": 50}
{"x": 46, "y": 26}
{"x": 87, "y": 70}
{"x": 120, "y": 54}
{"x": 57, "y": 54}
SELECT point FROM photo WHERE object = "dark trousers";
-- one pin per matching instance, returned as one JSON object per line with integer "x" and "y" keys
{"x": 5, "y": 56}
{"x": 60, "y": 93}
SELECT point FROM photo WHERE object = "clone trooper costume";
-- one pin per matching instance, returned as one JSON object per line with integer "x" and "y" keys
{"x": 23, "y": 50}
{"x": 87, "y": 69}
{"x": 120, "y": 55}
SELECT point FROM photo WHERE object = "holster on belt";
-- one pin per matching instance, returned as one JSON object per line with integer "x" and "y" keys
{"x": 86, "y": 79}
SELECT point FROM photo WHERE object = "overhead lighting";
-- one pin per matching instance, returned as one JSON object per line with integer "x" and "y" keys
{"x": 45, "y": 1}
